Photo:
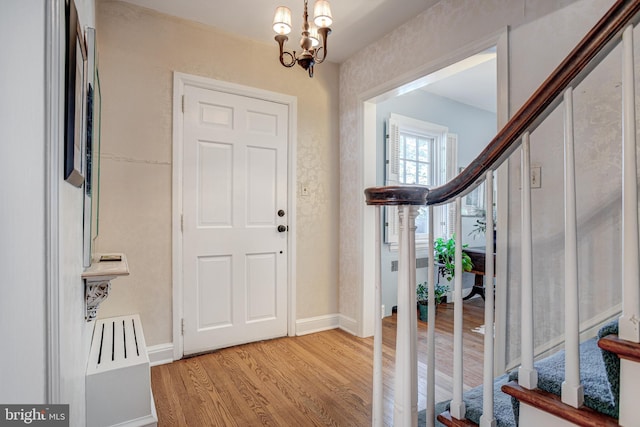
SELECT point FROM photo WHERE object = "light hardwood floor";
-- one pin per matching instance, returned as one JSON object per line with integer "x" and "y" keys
{"x": 321, "y": 379}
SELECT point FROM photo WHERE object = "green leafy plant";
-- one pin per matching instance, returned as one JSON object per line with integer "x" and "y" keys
{"x": 445, "y": 253}
{"x": 423, "y": 293}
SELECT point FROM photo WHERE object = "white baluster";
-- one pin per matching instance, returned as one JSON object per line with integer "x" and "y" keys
{"x": 431, "y": 328}
{"x": 413, "y": 304}
{"x": 487, "y": 419}
{"x": 572, "y": 390}
{"x": 629, "y": 322}
{"x": 457, "y": 404}
{"x": 527, "y": 375}
{"x": 630, "y": 319}
{"x": 406, "y": 393}
{"x": 378, "y": 409}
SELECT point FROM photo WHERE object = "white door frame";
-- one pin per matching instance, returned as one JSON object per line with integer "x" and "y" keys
{"x": 54, "y": 78}
{"x": 180, "y": 80}
{"x": 367, "y": 141}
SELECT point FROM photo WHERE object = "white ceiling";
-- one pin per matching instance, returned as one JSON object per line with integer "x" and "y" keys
{"x": 472, "y": 81}
{"x": 357, "y": 23}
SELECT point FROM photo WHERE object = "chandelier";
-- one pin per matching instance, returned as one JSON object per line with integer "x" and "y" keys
{"x": 312, "y": 51}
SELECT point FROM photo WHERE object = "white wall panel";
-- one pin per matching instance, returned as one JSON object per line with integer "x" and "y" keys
{"x": 22, "y": 174}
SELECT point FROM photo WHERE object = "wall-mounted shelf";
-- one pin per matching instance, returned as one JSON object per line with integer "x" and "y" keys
{"x": 97, "y": 279}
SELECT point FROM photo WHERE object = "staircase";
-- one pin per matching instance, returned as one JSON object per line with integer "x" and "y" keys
{"x": 599, "y": 376}
{"x": 593, "y": 383}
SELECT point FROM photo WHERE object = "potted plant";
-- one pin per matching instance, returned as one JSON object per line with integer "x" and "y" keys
{"x": 423, "y": 297}
{"x": 445, "y": 255}
{"x": 480, "y": 227}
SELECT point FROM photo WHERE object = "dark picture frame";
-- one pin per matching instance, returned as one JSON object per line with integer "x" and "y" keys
{"x": 92, "y": 148}
{"x": 75, "y": 98}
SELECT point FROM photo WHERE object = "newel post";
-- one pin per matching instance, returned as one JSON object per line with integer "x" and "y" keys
{"x": 407, "y": 198}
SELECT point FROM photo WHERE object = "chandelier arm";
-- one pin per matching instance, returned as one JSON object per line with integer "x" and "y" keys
{"x": 317, "y": 57}
{"x": 292, "y": 57}
{"x": 324, "y": 35}
{"x": 282, "y": 39}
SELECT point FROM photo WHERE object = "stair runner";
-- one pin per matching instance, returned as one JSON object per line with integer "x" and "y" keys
{"x": 599, "y": 372}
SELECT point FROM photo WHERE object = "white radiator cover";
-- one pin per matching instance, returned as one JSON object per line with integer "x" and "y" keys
{"x": 118, "y": 383}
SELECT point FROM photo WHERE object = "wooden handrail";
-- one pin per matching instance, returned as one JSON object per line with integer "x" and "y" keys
{"x": 396, "y": 195}
{"x": 624, "y": 349}
{"x": 596, "y": 44}
{"x": 449, "y": 421}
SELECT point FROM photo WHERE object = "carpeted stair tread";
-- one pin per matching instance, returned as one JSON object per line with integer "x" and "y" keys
{"x": 599, "y": 371}
{"x": 597, "y": 393}
{"x": 502, "y": 408}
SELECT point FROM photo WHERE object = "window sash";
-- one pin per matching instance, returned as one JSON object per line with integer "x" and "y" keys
{"x": 442, "y": 146}
{"x": 413, "y": 163}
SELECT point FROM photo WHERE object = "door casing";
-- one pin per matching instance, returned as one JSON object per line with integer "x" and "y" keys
{"x": 180, "y": 80}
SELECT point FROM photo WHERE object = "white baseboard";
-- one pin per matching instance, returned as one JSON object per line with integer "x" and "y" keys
{"x": 317, "y": 324}
{"x": 160, "y": 354}
{"x": 349, "y": 325}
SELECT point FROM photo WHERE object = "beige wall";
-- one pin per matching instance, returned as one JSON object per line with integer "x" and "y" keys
{"x": 139, "y": 50}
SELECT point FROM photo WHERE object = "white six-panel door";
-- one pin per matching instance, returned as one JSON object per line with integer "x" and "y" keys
{"x": 234, "y": 199}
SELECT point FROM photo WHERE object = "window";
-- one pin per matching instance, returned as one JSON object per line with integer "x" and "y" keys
{"x": 422, "y": 153}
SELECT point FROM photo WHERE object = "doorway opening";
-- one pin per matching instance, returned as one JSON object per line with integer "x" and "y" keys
{"x": 465, "y": 95}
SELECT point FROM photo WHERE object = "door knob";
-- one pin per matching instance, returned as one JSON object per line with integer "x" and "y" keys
{"x": 282, "y": 228}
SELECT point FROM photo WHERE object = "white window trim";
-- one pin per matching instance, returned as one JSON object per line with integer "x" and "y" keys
{"x": 441, "y": 134}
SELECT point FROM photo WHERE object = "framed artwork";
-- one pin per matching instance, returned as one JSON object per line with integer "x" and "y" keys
{"x": 75, "y": 99}
{"x": 95, "y": 159}
{"x": 92, "y": 147}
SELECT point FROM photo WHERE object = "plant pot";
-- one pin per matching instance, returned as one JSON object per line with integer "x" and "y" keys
{"x": 424, "y": 312}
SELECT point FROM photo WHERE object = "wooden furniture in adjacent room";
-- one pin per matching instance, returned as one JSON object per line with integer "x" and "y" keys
{"x": 478, "y": 256}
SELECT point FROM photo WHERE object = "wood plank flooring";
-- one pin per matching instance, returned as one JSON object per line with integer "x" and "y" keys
{"x": 321, "y": 379}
